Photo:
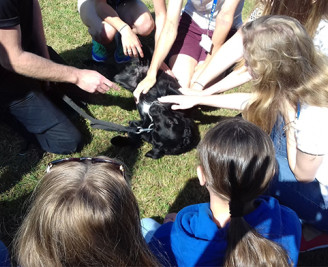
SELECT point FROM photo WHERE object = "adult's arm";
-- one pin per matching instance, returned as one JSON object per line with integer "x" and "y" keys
{"x": 14, "y": 58}
{"x": 223, "y": 24}
{"x": 228, "y": 54}
{"x": 164, "y": 44}
{"x": 237, "y": 101}
{"x": 129, "y": 38}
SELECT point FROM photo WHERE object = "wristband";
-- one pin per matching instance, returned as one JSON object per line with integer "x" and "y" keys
{"x": 289, "y": 125}
{"x": 199, "y": 84}
{"x": 122, "y": 27}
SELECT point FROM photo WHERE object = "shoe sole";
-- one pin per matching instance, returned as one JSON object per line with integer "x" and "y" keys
{"x": 120, "y": 61}
{"x": 314, "y": 248}
{"x": 97, "y": 59}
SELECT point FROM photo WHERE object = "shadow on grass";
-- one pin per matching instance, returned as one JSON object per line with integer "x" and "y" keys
{"x": 12, "y": 215}
{"x": 13, "y": 162}
{"x": 127, "y": 154}
{"x": 14, "y": 165}
{"x": 192, "y": 193}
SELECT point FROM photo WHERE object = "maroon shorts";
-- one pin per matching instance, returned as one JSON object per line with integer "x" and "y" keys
{"x": 188, "y": 38}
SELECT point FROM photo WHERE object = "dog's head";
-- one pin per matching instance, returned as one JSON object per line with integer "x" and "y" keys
{"x": 133, "y": 73}
{"x": 172, "y": 132}
{"x": 131, "y": 76}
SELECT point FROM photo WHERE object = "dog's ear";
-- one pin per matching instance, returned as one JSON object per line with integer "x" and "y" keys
{"x": 131, "y": 75}
{"x": 155, "y": 153}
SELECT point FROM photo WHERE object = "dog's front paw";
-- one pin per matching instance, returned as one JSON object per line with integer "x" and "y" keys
{"x": 124, "y": 141}
{"x": 155, "y": 154}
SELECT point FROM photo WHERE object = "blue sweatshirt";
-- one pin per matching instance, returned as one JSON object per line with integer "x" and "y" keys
{"x": 194, "y": 238}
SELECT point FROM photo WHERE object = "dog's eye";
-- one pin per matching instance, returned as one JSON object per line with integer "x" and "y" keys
{"x": 172, "y": 121}
{"x": 169, "y": 123}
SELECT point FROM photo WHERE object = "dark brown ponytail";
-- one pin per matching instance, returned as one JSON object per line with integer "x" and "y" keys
{"x": 238, "y": 160}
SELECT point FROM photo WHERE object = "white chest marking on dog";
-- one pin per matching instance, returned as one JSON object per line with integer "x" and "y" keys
{"x": 146, "y": 107}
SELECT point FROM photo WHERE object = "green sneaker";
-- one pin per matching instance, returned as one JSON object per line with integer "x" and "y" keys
{"x": 99, "y": 52}
{"x": 119, "y": 54}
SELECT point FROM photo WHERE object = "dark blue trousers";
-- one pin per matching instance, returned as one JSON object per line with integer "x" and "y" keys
{"x": 37, "y": 114}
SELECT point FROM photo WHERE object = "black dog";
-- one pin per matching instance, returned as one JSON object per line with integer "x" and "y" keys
{"x": 170, "y": 132}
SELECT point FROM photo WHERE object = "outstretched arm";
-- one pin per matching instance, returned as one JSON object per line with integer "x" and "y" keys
{"x": 164, "y": 44}
{"x": 236, "y": 101}
{"x": 160, "y": 17}
{"x": 14, "y": 58}
{"x": 234, "y": 79}
{"x": 223, "y": 24}
{"x": 229, "y": 53}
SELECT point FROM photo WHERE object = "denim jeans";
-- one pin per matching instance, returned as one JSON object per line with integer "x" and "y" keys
{"x": 304, "y": 198}
{"x": 4, "y": 256}
{"x": 35, "y": 113}
{"x": 148, "y": 228}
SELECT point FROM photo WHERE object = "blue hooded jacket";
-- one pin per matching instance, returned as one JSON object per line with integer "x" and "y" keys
{"x": 194, "y": 239}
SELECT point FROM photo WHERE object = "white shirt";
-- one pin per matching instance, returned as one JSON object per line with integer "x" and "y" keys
{"x": 312, "y": 138}
{"x": 320, "y": 38}
{"x": 200, "y": 12}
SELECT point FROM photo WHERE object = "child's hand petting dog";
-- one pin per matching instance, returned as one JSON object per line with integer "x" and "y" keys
{"x": 180, "y": 101}
{"x": 191, "y": 91}
{"x": 144, "y": 86}
{"x": 149, "y": 81}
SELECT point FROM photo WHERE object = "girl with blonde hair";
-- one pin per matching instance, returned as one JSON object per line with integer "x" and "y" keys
{"x": 238, "y": 227}
{"x": 289, "y": 100}
{"x": 311, "y": 13}
{"x": 83, "y": 214}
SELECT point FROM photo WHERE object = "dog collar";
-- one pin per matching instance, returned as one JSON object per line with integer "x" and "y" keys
{"x": 141, "y": 130}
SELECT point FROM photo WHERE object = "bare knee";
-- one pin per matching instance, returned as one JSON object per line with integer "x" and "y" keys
{"x": 103, "y": 36}
{"x": 183, "y": 67}
{"x": 145, "y": 24}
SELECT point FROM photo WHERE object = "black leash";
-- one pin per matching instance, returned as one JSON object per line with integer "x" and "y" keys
{"x": 104, "y": 125}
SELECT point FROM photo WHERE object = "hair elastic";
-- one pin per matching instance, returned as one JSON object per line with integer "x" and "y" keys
{"x": 236, "y": 209}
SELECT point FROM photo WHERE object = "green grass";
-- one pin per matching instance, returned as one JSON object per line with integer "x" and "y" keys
{"x": 161, "y": 186}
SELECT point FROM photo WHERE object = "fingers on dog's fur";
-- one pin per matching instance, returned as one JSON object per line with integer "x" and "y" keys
{"x": 172, "y": 132}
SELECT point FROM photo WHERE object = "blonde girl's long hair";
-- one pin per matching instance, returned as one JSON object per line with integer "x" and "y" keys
{"x": 83, "y": 214}
{"x": 285, "y": 66}
{"x": 236, "y": 147}
{"x": 308, "y": 12}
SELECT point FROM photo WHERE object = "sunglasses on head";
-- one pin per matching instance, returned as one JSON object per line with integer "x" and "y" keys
{"x": 118, "y": 165}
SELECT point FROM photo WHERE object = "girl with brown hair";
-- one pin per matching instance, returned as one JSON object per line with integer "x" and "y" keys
{"x": 83, "y": 214}
{"x": 238, "y": 227}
